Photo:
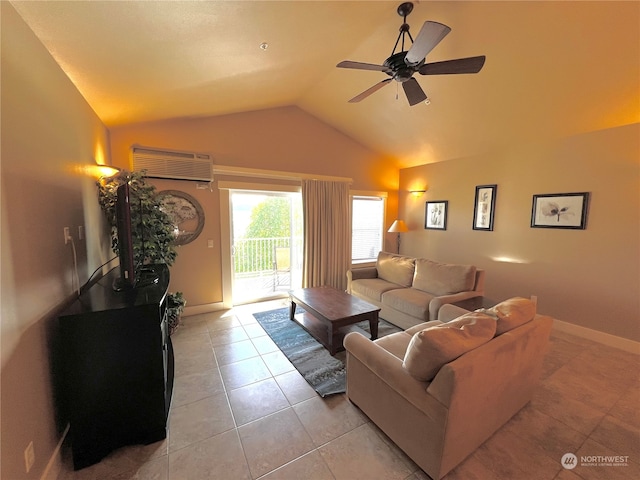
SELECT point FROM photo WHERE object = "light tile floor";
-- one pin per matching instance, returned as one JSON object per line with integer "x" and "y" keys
{"x": 241, "y": 411}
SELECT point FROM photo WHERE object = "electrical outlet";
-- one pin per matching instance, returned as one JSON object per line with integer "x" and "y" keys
{"x": 534, "y": 299}
{"x": 29, "y": 457}
{"x": 80, "y": 232}
{"x": 67, "y": 235}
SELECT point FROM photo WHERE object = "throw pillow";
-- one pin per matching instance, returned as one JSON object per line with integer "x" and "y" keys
{"x": 512, "y": 313}
{"x": 395, "y": 268}
{"x": 443, "y": 278}
{"x": 434, "y": 347}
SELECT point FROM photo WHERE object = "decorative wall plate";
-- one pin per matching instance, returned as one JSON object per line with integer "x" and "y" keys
{"x": 186, "y": 214}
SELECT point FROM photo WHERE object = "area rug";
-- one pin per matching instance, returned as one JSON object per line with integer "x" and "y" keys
{"x": 325, "y": 373}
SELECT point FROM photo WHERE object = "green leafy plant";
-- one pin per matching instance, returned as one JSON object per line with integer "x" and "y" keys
{"x": 175, "y": 307}
{"x": 153, "y": 231}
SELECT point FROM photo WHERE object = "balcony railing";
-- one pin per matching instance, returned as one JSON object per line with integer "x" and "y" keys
{"x": 254, "y": 255}
{"x": 264, "y": 266}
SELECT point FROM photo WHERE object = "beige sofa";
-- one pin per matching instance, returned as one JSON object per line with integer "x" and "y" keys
{"x": 439, "y": 390}
{"x": 410, "y": 291}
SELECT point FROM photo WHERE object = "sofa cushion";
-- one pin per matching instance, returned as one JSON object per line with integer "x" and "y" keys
{"x": 511, "y": 313}
{"x": 395, "y": 268}
{"x": 396, "y": 343}
{"x": 443, "y": 278}
{"x": 421, "y": 326}
{"x": 372, "y": 288}
{"x": 434, "y": 347}
{"x": 409, "y": 301}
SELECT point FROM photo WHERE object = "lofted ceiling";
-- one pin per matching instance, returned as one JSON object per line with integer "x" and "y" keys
{"x": 553, "y": 69}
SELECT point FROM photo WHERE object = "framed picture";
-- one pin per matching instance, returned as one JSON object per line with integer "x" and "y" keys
{"x": 560, "y": 210}
{"x": 435, "y": 215}
{"x": 186, "y": 214}
{"x": 484, "y": 207}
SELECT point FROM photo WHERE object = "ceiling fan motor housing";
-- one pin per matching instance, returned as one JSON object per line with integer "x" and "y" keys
{"x": 399, "y": 70}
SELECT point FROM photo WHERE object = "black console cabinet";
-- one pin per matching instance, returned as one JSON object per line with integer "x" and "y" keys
{"x": 117, "y": 363}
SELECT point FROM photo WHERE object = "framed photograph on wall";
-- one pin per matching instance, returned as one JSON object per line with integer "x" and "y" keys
{"x": 435, "y": 215}
{"x": 560, "y": 210}
{"x": 484, "y": 207}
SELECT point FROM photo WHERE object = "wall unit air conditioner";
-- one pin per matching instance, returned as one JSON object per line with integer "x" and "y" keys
{"x": 172, "y": 164}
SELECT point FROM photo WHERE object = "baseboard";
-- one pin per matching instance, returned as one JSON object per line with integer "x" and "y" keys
{"x": 206, "y": 308}
{"x": 54, "y": 466}
{"x": 600, "y": 337}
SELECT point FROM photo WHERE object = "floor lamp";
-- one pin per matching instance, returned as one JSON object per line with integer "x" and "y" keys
{"x": 398, "y": 227}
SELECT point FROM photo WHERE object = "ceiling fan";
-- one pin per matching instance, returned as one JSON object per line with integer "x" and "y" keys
{"x": 402, "y": 65}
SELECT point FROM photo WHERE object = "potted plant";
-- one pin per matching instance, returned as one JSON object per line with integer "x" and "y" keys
{"x": 175, "y": 306}
{"x": 155, "y": 243}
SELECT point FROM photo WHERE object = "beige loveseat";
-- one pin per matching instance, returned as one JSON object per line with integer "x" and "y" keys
{"x": 410, "y": 291}
{"x": 439, "y": 390}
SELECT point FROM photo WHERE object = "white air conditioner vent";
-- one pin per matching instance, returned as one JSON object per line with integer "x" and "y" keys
{"x": 173, "y": 164}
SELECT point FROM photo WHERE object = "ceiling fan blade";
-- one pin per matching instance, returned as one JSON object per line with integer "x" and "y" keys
{"x": 430, "y": 35}
{"x": 414, "y": 91}
{"x": 362, "y": 66}
{"x": 448, "y": 67}
{"x": 369, "y": 91}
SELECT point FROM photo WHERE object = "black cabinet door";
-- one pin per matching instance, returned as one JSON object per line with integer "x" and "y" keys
{"x": 116, "y": 369}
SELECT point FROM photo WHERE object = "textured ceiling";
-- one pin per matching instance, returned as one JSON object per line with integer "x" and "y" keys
{"x": 553, "y": 68}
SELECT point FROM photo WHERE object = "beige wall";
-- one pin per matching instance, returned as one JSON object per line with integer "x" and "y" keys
{"x": 49, "y": 134}
{"x": 586, "y": 277}
{"x": 282, "y": 139}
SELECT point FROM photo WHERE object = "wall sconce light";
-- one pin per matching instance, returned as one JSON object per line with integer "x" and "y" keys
{"x": 417, "y": 193}
{"x": 106, "y": 171}
{"x": 398, "y": 227}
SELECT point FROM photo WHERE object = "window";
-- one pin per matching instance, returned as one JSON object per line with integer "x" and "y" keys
{"x": 366, "y": 227}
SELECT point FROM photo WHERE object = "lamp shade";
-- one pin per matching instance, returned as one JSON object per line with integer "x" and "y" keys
{"x": 398, "y": 227}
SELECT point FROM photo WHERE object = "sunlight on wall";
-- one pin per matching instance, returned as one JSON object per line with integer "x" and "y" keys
{"x": 92, "y": 170}
{"x": 98, "y": 154}
{"x": 505, "y": 259}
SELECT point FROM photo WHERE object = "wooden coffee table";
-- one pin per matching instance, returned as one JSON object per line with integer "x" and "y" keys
{"x": 329, "y": 311}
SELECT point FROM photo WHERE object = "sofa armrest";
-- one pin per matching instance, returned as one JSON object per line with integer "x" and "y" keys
{"x": 437, "y": 302}
{"x": 479, "y": 286}
{"x": 450, "y": 312}
{"x": 360, "y": 273}
{"x": 388, "y": 368}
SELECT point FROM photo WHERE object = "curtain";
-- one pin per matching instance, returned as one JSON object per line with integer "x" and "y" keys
{"x": 327, "y": 233}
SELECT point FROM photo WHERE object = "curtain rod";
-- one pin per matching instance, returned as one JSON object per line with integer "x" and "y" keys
{"x": 259, "y": 173}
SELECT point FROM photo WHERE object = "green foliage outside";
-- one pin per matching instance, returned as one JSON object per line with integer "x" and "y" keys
{"x": 270, "y": 221}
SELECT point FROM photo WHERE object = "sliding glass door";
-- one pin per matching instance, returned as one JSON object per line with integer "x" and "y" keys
{"x": 266, "y": 244}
